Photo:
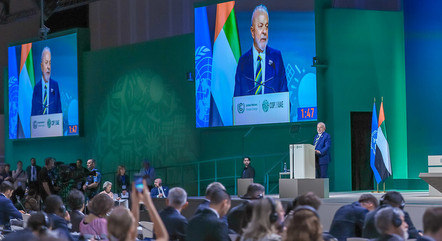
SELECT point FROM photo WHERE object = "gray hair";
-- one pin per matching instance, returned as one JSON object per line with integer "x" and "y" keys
{"x": 259, "y": 8}
{"x": 45, "y": 49}
{"x": 384, "y": 218}
{"x": 323, "y": 124}
{"x": 177, "y": 197}
{"x": 106, "y": 183}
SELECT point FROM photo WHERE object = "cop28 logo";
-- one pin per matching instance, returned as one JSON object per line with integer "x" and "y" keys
{"x": 241, "y": 108}
{"x": 49, "y": 123}
{"x": 265, "y": 106}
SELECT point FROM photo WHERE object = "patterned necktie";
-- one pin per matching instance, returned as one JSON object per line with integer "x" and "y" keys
{"x": 45, "y": 100}
{"x": 317, "y": 139}
{"x": 258, "y": 78}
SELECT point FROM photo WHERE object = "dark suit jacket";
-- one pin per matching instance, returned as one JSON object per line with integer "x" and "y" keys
{"x": 348, "y": 221}
{"x": 28, "y": 172}
{"x": 120, "y": 183}
{"x": 239, "y": 216}
{"x": 54, "y": 99}
{"x": 206, "y": 226}
{"x": 424, "y": 238}
{"x": 76, "y": 217}
{"x": 323, "y": 146}
{"x": 387, "y": 237}
{"x": 7, "y": 210}
{"x": 369, "y": 230}
{"x": 60, "y": 225}
{"x": 248, "y": 172}
{"x": 155, "y": 192}
{"x": 176, "y": 224}
{"x": 275, "y": 79}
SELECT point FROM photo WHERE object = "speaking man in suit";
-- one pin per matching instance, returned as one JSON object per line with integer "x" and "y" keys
{"x": 322, "y": 145}
{"x": 176, "y": 224}
{"x": 261, "y": 69}
{"x": 207, "y": 224}
{"x": 46, "y": 96}
{"x": 7, "y": 209}
{"x": 159, "y": 191}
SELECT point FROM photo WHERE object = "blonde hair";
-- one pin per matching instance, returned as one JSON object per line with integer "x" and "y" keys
{"x": 303, "y": 225}
{"x": 260, "y": 224}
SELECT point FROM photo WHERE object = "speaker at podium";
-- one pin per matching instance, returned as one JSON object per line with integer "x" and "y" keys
{"x": 302, "y": 174}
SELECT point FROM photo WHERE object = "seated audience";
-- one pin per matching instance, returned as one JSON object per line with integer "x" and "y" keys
{"x": 206, "y": 224}
{"x": 390, "y": 199}
{"x": 58, "y": 216}
{"x": 176, "y": 224}
{"x": 349, "y": 219}
{"x": 391, "y": 225}
{"x": 8, "y": 173}
{"x": 38, "y": 228}
{"x": 239, "y": 217}
{"x": 32, "y": 200}
{"x": 19, "y": 176}
{"x": 267, "y": 217}
{"x": 309, "y": 199}
{"x": 107, "y": 186}
{"x": 123, "y": 181}
{"x": 7, "y": 209}
{"x": 212, "y": 187}
{"x": 303, "y": 224}
{"x": 159, "y": 191}
{"x": 122, "y": 225}
{"x": 76, "y": 203}
{"x": 432, "y": 221}
{"x": 95, "y": 224}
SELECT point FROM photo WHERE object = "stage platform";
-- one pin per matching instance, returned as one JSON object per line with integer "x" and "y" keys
{"x": 416, "y": 203}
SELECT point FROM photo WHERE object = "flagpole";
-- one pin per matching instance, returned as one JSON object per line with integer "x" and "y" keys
{"x": 384, "y": 188}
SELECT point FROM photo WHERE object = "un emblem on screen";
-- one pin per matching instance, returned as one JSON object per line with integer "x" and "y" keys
{"x": 241, "y": 108}
{"x": 265, "y": 106}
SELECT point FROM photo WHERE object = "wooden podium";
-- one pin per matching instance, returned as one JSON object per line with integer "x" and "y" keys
{"x": 243, "y": 184}
{"x": 302, "y": 174}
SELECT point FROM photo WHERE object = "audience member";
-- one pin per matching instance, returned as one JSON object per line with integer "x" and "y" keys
{"x": 79, "y": 175}
{"x": 33, "y": 172}
{"x": 8, "y": 173}
{"x": 432, "y": 221}
{"x": 46, "y": 182}
{"x": 239, "y": 217}
{"x": 19, "y": 176}
{"x": 158, "y": 225}
{"x": 391, "y": 225}
{"x": 7, "y": 209}
{"x": 2, "y": 172}
{"x": 176, "y": 224}
{"x": 248, "y": 171}
{"x": 95, "y": 224}
{"x": 303, "y": 224}
{"x": 32, "y": 200}
{"x": 58, "y": 216}
{"x": 206, "y": 224}
{"x": 122, "y": 225}
{"x": 390, "y": 199}
{"x": 38, "y": 227}
{"x": 210, "y": 189}
{"x": 148, "y": 173}
{"x": 123, "y": 181}
{"x": 159, "y": 191}
{"x": 349, "y": 219}
{"x": 267, "y": 218}
{"x": 76, "y": 204}
{"x": 308, "y": 199}
{"x": 91, "y": 187}
{"x": 107, "y": 186}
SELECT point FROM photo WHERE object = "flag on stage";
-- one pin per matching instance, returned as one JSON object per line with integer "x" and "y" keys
{"x": 226, "y": 53}
{"x": 26, "y": 83}
{"x": 382, "y": 158}
{"x": 374, "y": 135}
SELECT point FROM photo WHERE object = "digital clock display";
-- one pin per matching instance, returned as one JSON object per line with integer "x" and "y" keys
{"x": 307, "y": 113}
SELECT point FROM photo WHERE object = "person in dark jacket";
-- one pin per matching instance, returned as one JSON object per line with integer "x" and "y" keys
{"x": 391, "y": 225}
{"x": 432, "y": 225}
{"x": 176, "y": 224}
{"x": 57, "y": 216}
{"x": 390, "y": 199}
{"x": 248, "y": 171}
{"x": 349, "y": 219}
{"x": 7, "y": 209}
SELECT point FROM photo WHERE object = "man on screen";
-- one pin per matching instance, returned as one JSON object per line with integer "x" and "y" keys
{"x": 261, "y": 69}
{"x": 46, "y": 96}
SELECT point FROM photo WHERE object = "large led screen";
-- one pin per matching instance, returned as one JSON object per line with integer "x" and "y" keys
{"x": 43, "y": 88}
{"x": 253, "y": 64}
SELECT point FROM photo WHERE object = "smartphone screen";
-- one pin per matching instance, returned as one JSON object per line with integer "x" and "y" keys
{"x": 138, "y": 179}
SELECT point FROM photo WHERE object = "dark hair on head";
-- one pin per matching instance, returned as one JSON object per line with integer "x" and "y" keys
{"x": 48, "y": 160}
{"x": 53, "y": 203}
{"x": 308, "y": 199}
{"x": 7, "y": 165}
{"x": 218, "y": 196}
{"x": 253, "y": 190}
{"x": 369, "y": 198}
{"x": 75, "y": 199}
{"x": 81, "y": 161}
{"x": 247, "y": 158}
{"x": 6, "y": 186}
{"x": 39, "y": 222}
{"x": 20, "y": 162}
{"x": 33, "y": 158}
{"x": 393, "y": 198}
{"x": 101, "y": 204}
{"x": 432, "y": 220}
